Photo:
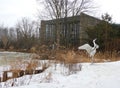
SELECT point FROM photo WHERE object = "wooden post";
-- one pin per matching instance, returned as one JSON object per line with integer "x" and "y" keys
{"x": 5, "y": 76}
{"x": 21, "y": 73}
{"x": 0, "y": 79}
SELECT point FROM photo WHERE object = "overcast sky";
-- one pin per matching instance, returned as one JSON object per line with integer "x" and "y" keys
{"x": 13, "y": 10}
{"x": 112, "y": 7}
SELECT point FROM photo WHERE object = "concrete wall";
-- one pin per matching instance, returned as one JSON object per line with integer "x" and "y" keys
{"x": 83, "y": 21}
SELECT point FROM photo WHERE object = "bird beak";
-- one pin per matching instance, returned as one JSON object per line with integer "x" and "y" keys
{"x": 95, "y": 39}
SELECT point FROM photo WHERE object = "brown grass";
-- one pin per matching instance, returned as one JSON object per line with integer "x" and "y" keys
{"x": 71, "y": 56}
{"x": 107, "y": 56}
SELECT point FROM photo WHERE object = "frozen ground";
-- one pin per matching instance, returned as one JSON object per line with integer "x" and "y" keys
{"x": 6, "y": 57}
{"x": 98, "y": 75}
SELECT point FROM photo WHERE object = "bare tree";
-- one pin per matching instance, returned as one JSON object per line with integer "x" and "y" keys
{"x": 4, "y": 36}
{"x": 5, "y": 41}
{"x": 63, "y": 8}
{"x": 56, "y": 9}
{"x": 26, "y": 32}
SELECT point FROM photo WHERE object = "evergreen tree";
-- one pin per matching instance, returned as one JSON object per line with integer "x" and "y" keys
{"x": 104, "y": 31}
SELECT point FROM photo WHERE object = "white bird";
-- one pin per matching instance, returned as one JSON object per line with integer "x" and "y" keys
{"x": 90, "y": 50}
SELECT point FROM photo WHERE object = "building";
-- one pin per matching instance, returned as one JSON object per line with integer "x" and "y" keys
{"x": 71, "y": 30}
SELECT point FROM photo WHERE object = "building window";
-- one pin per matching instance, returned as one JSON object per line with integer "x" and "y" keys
{"x": 47, "y": 32}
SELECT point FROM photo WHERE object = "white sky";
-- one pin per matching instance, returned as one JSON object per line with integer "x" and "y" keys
{"x": 13, "y": 10}
{"x": 112, "y": 7}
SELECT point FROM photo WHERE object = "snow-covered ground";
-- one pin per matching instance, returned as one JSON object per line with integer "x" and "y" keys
{"x": 98, "y": 75}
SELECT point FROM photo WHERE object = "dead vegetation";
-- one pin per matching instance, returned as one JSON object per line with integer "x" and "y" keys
{"x": 107, "y": 56}
{"x": 21, "y": 67}
{"x": 74, "y": 56}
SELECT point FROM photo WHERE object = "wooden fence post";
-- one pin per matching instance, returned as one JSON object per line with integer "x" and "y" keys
{"x": 5, "y": 76}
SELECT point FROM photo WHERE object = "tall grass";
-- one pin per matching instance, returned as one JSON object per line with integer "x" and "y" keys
{"x": 107, "y": 56}
{"x": 71, "y": 56}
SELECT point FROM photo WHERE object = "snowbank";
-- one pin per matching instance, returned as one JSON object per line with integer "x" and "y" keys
{"x": 98, "y": 75}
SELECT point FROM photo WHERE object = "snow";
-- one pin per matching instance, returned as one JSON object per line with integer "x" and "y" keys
{"x": 98, "y": 75}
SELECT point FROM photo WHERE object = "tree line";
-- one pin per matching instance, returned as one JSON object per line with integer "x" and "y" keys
{"x": 24, "y": 35}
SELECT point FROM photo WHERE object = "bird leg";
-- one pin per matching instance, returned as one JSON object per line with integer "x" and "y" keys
{"x": 92, "y": 60}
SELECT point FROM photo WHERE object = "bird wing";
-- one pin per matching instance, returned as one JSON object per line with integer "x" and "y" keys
{"x": 86, "y": 47}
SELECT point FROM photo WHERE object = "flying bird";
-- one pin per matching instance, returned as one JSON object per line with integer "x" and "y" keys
{"x": 90, "y": 50}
